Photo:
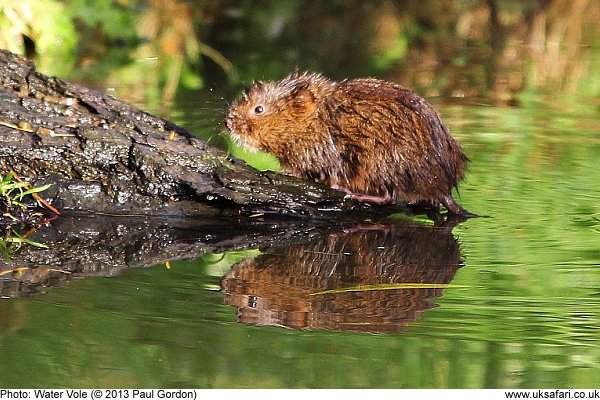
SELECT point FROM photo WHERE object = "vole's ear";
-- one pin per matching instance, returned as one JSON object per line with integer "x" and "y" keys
{"x": 300, "y": 87}
{"x": 301, "y": 92}
{"x": 302, "y": 97}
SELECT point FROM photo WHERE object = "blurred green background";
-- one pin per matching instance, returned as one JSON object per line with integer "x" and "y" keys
{"x": 155, "y": 49}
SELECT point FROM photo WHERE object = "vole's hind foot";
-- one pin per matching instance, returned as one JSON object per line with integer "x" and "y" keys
{"x": 366, "y": 198}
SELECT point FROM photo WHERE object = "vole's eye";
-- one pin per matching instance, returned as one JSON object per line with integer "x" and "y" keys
{"x": 259, "y": 110}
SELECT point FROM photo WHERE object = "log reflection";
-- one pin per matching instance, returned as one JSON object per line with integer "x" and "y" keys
{"x": 354, "y": 281}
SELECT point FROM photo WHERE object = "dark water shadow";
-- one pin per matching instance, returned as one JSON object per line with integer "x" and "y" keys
{"x": 352, "y": 276}
{"x": 102, "y": 245}
{"x": 375, "y": 278}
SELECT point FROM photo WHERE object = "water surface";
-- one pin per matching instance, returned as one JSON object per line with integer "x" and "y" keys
{"x": 523, "y": 309}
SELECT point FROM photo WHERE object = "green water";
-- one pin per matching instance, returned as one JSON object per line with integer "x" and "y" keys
{"x": 524, "y": 312}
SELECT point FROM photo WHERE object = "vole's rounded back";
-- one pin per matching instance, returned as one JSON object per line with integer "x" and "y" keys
{"x": 373, "y": 139}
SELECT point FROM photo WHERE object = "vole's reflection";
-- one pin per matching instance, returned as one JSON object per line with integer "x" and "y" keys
{"x": 355, "y": 281}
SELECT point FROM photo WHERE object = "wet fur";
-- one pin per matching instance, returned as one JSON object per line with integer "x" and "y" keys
{"x": 364, "y": 136}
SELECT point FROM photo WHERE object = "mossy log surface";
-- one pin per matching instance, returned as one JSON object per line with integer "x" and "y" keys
{"x": 105, "y": 156}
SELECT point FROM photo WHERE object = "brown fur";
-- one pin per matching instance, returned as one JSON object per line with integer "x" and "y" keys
{"x": 374, "y": 139}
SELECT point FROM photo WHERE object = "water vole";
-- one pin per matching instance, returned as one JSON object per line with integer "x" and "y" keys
{"x": 375, "y": 140}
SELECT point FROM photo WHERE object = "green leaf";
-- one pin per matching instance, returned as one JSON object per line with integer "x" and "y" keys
{"x": 35, "y": 190}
